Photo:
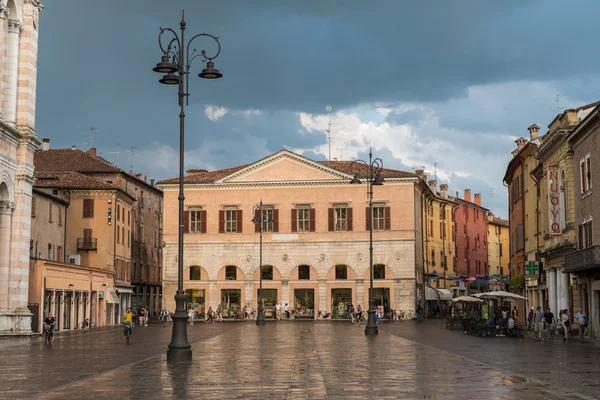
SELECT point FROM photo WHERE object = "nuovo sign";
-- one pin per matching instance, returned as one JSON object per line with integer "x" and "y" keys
{"x": 554, "y": 201}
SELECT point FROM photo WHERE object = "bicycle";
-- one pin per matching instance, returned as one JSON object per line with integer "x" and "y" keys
{"x": 48, "y": 335}
{"x": 323, "y": 315}
{"x": 127, "y": 332}
{"x": 86, "y": 324}
{"x": 252, "y": 315}
{"x": 357, "y": 318}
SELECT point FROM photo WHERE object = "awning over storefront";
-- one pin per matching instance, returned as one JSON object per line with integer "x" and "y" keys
{"x": 124, "y": 290}
{"x": 111, "y": 296}
{"x": 432, "y": 293}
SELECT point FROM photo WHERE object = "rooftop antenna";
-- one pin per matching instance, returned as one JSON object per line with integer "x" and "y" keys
{"x": 558, "y": 107}
{"x": 132, "y": 156}
{"x": 91, "y": 134}
{"x": 435, "y": 170}
{"x": 328, "y": 130}
{"x": 342, "y": 152}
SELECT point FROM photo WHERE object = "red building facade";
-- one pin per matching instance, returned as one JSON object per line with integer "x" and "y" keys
{"x": 471, "y": 253}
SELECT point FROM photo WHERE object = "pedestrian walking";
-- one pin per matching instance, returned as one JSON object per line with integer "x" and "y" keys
{"x": 515, "y": 313}
{"x": 443, "y": 310}
{"x": 582, "y": 319}
{"x": 419, "y": 313}
{"x": 278, "y": 311}
{"x": 538, "y": 323}
{"x": 191, "y": 316}
{"x": 548, "y": 323}
{"x": 437, "y": 310}
{"x": 219, "y": 313}
{"x": 530, "y": 319}
{"x": 566, "y": 323}
{"x": 146, "y": 316}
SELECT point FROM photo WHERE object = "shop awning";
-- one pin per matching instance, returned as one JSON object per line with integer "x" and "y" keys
{"x": 432, "y": 293}
{"x": 124, "y": 290}
{"x": 111, "y": 296}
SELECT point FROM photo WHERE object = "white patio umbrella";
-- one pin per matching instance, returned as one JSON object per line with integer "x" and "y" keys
{"x": 499, "y": 295}
{"x": 467, "y": 299}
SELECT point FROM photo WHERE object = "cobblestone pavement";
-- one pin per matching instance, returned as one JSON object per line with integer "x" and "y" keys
{"x": 299, "y": 360}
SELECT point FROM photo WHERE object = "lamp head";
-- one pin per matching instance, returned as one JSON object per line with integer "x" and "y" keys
{"x": 355, "y": 180}
{"x": 164, "y": 66}
{"x": 170, "y": 79}
{"x": 210, "y": 72}
{"x": 378, "y": 180}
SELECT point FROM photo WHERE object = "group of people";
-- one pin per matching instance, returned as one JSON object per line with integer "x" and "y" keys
{"x": 286, "y": 310}
{"x": 545, "y": 324}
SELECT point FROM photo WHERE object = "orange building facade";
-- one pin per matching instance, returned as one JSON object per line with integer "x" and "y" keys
{"x": 315, "y": 252}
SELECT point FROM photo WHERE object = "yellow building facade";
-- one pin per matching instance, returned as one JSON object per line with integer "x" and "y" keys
{"x": 498, "y": 242}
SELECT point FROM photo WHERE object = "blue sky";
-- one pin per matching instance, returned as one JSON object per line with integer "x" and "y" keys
{"x": 447, "y": 86}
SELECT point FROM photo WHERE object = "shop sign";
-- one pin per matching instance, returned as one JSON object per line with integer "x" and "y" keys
{"x": 555, "y": 225}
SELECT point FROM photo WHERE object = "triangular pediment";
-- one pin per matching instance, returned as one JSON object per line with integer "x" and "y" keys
{"x": 285, "y": 166}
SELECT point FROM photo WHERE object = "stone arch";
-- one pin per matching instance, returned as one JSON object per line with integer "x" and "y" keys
{"x": 240, "y": 275}
{"x": 6, "y": 183}
{"x": 276, "y": 273}
{"x": 314, "y": 274}
{"x": 188, "y": 270}
{"x": 350, "y": 273}
{"x": 14, "y": 10}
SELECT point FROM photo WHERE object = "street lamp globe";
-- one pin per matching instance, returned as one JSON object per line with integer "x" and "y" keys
{"x": 210, "y": 72}
{"x": 169, "y": 79}
{"x": 164, "y": 66}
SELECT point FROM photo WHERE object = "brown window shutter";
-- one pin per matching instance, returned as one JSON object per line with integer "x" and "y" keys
{"x": 312, "y": 220}
{"x": 349, "y": 219}
{"x": 330, "y": 218}
{"x": 203, "y": 221}
{"x": 276, "y": 220}
{"x": 221, "y": 221}
{"x": 186, "y": 222}
{"x": 386, "y": 219}
{"x": 295, "y": 220}
{"x": 368, "y": 218}
{"x": 239, "y": 221}
{"x": 91, "y": 208}
{"x": 257, "y": 218}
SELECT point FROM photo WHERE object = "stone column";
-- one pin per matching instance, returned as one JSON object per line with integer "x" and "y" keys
{"x": 360, "y": 294}
{"x": 322, "y": 297}
{"x": 566, "y": 288}
{"x": 12, "y": 71}
{"x": 5, "y": 241}
{"x": 552, "y": 294}
{"x": 3, "y": 15}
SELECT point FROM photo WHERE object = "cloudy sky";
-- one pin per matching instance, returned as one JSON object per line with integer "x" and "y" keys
{"x": 444, "y": 85}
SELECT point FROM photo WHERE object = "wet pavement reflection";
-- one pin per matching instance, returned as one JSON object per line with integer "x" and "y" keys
{"x": 327, "y": 360}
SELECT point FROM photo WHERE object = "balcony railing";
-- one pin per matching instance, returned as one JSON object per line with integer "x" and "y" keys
{"x": 87, "y": 244}
{"x": 583, "y": 259}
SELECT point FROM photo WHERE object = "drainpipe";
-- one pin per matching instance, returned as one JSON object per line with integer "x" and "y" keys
{"x": 65, "y": 231}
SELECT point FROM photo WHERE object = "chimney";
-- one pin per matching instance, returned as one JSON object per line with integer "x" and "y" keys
{"x": 444, "y": 190}
{"x": 521, "y": 142}
{"x": 478, "y": 199}
{"x": 467, "y": 195}
{"x": 139, "y": 176}
{"x": 419, "y": 172}
{"x": 152, "y": 182}
{"x": 145, "y": 179}
{"x": 74, "y": 147}
{"x": 91, "y": 152}
{"x": 433, "y": 185}
{"x": 131, "y": 172}
{"x": 534, "y": 131}
{"x": 45, "y": 144}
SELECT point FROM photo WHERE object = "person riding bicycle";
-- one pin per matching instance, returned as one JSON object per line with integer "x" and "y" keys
{"x": 359, "y": 312}
{"x": 128, "y": 320}
{"x": 164, "y": 314}
{"x": 50, "y": 322}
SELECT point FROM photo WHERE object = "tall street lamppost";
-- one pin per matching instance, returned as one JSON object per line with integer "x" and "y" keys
{"x": 175, "y": 64}
{"x": 259, "y": 219}
{"x": 372, "y": 171}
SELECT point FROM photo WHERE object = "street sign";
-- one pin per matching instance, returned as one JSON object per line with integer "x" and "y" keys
{"x": 532, "y": 268}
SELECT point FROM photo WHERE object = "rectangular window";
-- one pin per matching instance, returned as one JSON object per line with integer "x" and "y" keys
{"x": 230, "y": 221}
{"x": 33, "y": 207}
{"x": 341, "y": 272}
{"x": 195, "y": 221}
{"x": 50, "y": 212}
{"x": 267, "y": 220}
{"x": 128, "y": 218}
{"x": 304, "y": 272}
{"x": 378, "y": 218}
{"x": 341, "y": 219}
{"x": 500, "y": 250}
{"x": 59, "y": 254}
{"x": 149, "y": 201}
{"x": 118, "y": 212}
{"x": 118, "y": 235}
{"x": 88, "y": 208}
{"x": 431, "y": 228}
{"x": 49, "y": 251}
{"x": 128, "y": 239}
{"x": 123, "y": 235}
{"x": 303, "y": 219}
{"x": 59, "y": 211}
{"x": 588, "y": 171}
{"x": 441, "y": 230}
{"x": 230, "y": 273}
{"x": 378, "y": 271}
{"x": 583, "y": 176}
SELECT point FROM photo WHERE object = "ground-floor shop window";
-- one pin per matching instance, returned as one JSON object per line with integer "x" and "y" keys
{"x": 304, "y": 303}
{"x": 382, "y": 299}
{"x": 231, "y": 300}
{"x": 340, "y": 302}
{"x": 269, "y": 298}
{"x": 195, "y": 299}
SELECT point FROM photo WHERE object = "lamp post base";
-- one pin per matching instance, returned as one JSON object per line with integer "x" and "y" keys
{"x": 260, "y": 319}
{"x": 372, "y": 328}
{"x": 179, "y": 348}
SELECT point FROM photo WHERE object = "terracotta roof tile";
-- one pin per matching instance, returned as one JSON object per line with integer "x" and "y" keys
{"x": 70, "y": 160}
{"x": 69, "y": 180}
{"x": 363, "y": 170}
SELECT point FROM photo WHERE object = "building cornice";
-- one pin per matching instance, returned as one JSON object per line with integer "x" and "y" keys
{"x": 280, "y": 184}
{"x": 551, "y": 142}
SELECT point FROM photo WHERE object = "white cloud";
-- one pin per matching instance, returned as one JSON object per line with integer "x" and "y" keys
{"x": 215, "y": 113}
{"x": 250, "y": 113}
